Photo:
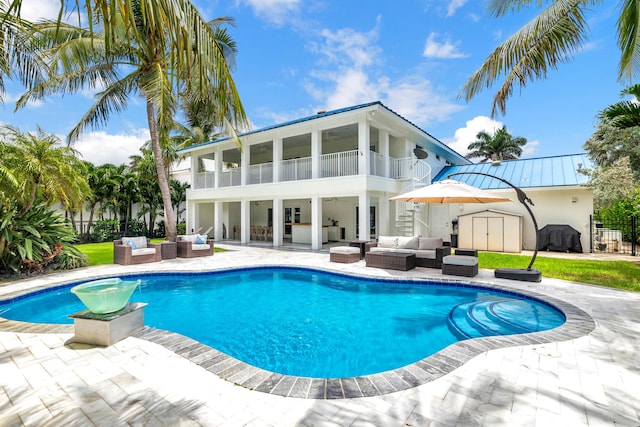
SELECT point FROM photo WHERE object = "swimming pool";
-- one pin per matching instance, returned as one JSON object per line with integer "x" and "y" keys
{"x": 310, "y": 323}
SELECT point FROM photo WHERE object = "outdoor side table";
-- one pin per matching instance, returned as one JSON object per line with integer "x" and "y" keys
{"x": 169, "y": 250}
{"x": 359, "y": 244}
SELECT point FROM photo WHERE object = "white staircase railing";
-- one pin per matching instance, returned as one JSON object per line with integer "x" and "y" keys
{"x": 419, "y": 174}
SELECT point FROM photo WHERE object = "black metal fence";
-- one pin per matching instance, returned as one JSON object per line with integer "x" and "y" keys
{"x": 616, "y": 235}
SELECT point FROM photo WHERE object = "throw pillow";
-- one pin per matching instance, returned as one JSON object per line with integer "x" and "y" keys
{"x": 201, "y": 239}
{"x": 131, "y": 243}
{"x": 407, "y": 242}
{"x": 427, "y": 243}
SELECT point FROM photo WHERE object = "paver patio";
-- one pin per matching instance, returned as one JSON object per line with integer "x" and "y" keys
{"x": 590, "y": 380}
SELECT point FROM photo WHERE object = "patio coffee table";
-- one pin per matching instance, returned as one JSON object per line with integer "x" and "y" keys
{"x": 391, "y": 260}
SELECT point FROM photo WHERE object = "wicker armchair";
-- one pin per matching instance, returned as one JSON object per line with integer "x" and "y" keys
{"x": 188, "y": 246}
{"x": 135, "y": 250}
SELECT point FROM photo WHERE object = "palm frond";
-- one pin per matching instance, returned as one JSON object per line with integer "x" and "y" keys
{"x": 550, "y": 38}
{"x": 629, "y": 39}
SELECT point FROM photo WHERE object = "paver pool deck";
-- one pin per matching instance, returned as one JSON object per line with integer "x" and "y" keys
{"x": 593, "y": 379}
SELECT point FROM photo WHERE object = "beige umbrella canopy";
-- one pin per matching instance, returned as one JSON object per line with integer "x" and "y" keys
{"x": 449, "y": 191}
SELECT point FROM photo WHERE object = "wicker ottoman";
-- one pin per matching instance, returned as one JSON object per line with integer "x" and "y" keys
{"x": 460, "y": 265}
{"x": 344, "y": 254}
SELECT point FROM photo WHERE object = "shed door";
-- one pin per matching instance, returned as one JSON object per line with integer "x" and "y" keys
{"x": 488, "y": 234}
{"x": 480, "y": 236}
{"x": 495, "y": 231}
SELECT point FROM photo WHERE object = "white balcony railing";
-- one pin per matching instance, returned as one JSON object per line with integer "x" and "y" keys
{"x": 231, "y": 177}
{"x": 204, "y": 180}
{"x": 376, "y": 164}
{"x": 344, "y": 163}
{"x": 295, "y": 169}
{"x": 261, "y": 174}
{"x": 339, "y": 164}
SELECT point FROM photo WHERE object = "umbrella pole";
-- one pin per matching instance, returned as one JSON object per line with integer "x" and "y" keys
{"x": 535, "y": 275}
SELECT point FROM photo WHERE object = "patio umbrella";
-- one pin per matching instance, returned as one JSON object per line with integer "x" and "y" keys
{"x": 449, "y": 191}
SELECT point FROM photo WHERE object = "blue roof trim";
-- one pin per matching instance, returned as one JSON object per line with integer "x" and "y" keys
{"x": 331, "y": 113}
{"x": 555, "y": 171}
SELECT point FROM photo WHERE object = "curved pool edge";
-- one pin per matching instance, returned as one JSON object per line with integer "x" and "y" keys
{"x": 578, "y": 323}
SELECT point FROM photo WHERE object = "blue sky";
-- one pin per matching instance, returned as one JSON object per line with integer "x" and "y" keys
{"x": 297, "y": 57}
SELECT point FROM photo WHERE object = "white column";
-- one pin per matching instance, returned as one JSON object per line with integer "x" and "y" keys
{"x": 277, "y": 162}
{"x": 278, "y": 222}
{"x": 316, "y": 223}
{"x": 316, "y": 153}
{"x": 194, "y": 169}
{"x": 363, "y": 146}
{"x": 384, "y": 215}
{"x": 244, "y": 166}
{"x": 218, "y": 220}
{"x": 245, "y": 221}
{"x": 364, "y": 201}
{"x": 217, "y": 157}
{"x": 383, "y": 136}
{"x": 191, "y": 215}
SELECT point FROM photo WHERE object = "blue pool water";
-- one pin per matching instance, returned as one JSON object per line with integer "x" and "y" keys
{"x": 311, "y": 323}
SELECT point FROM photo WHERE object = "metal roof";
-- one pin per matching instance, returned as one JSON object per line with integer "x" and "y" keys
{"x": 331, "y": 113}
{"x": 557, "y": 171}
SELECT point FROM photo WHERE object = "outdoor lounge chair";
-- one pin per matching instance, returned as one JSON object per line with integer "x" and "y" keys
{"x": 194, "y": 245}
{"x": 135, "y": 250}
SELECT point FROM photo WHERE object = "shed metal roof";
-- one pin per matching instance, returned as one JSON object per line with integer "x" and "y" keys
{"x": 556, "y": 171}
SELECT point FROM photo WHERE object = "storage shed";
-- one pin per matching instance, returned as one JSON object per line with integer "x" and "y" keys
{"x": 490, "y": 231}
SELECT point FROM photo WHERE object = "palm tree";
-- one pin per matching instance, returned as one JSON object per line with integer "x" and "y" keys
{"x": 44, "y": 168}
{"x": 162, "y": 46}
{"x": 623, "y": 114}
{"x": 499, "y": 146}
{"x": 549, "y": 39}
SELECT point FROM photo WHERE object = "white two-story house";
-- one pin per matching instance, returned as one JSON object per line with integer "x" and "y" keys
{"x": 319, "y": 178}
{"x": 329, "y": 177}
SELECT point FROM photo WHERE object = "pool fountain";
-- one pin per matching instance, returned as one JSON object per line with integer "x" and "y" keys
{"x": 110, "y": 316}
{"x": 106, "y": 295}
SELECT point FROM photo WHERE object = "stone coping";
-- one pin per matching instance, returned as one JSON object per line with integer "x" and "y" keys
{"x": 578, "y": 323}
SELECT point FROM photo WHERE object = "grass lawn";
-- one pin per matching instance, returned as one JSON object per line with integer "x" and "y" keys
{"x": 614, "y": 274}
{"x": 102, "y": 253}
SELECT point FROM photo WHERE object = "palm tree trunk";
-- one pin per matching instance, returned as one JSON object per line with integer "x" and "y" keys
{"x": 169, "y": 215}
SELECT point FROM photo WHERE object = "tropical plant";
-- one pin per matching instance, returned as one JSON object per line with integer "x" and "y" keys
{"x": 105, "y": 230}
{"x": 44, "y": 168}
{"x": 551, "y": 38}
{"x": 160, "y": 46}
{"x": 70, "y": 258}
{"x": 609, "y": 144}
{"x": 499, "y": 146}
{"x": 29, "y": 242}
{"x": 179, "y": 196}
{"x": 623, "y": 114}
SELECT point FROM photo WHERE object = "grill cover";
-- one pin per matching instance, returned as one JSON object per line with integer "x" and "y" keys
{"x": 559, "y": 238}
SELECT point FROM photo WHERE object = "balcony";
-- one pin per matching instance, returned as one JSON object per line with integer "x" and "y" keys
{"x": 343, "y": 163}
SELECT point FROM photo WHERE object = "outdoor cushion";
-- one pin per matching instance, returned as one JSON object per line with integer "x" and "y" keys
{"x": 199, "y": 246}
{"x": 430, "y": 243}
{"x": 200, "y": 239}
{"x": 346, "y": 250}
{"x": 460, "y": 260}
{"x": 188, "y": 238}
{"x": 139, "y": 242}
{"x": 407, "y": 242}
{"x": 426, "y": 253}
{"x": 143, "y": 251}
{"x": 388, "y": 242}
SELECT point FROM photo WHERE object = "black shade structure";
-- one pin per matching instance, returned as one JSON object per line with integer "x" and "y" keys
{"x": 528, "y": 274}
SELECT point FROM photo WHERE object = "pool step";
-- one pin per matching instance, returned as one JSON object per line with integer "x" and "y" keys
{"x": 490, "y": 317}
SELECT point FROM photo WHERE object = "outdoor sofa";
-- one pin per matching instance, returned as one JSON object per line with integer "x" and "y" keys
{"x": 135, "y": 250}
{"x": 429, "y": 251}
{"x": 194, "y": 245}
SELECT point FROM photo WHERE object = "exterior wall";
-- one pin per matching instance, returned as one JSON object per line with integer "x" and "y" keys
{"x": 551, "y": 206}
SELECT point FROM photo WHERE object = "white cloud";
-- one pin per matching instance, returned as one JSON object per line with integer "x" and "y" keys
{"x": 34, "y": 10}
{"x": 100, "y": 148}
{"x": 466, "y": 135}
{"x": 447, "y": 50}
{"x": 350, "y": 74}
{"x": 274, "y": 11}
{"x": 454, "y": 5}
{"x": 530, "y": 148}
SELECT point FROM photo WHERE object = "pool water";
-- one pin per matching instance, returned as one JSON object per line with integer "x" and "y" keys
{"x": 312, "y": 323}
